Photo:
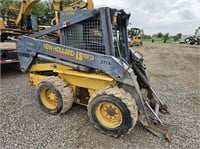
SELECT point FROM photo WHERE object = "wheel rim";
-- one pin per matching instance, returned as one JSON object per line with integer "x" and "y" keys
{"x": 49, "y": 98}
{"x": 109, "y": 115}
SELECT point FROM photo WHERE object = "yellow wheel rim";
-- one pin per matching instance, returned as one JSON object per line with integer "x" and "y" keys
{"x": 49, "y": 98}
{"x": 109, "y": 115}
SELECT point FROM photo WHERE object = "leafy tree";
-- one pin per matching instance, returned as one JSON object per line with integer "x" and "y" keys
{"x": 4, "y": 5}
{"x": 43, "y": 9}
{"x": 38, "y": 9}
{"x": 177, "y": 37}
{"x": 49, "y": 10}
{"x": 159, "y": 35}
{"x": 147, "y": 37}
{"x": 165, "y": 37}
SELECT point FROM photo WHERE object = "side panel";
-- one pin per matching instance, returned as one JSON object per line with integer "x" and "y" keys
{"x": 83, "y": 84}
{"x": 82, "y": 79}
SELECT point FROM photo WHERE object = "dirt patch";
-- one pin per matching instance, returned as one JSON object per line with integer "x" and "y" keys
{"x": 173, "y": 60}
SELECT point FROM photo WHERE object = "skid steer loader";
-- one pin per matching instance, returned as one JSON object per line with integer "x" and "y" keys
{"x": 135, "y": 36}
{"x": 92, "y": 65}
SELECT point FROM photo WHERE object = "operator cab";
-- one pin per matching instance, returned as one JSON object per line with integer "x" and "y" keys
{"x": 105, "y": 33}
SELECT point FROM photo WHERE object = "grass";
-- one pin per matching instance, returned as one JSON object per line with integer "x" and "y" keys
{"x": 155, "y": 41}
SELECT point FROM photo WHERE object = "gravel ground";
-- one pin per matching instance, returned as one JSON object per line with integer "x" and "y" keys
{"x": 175, "y": 75}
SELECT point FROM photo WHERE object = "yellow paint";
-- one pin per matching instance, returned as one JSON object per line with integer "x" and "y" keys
{"x": 42, "y": 67}
{"x": 91, "y": 81}
{"x": 35, "y": 79}
{"x": 48, "y": 98}
{"x": 109, "y": 115}
{"x": 2, "y": 26}
{"x": 25, "y": 7}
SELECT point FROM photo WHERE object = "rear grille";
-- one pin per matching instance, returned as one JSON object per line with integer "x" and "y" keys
{"x": 86, "y": 35}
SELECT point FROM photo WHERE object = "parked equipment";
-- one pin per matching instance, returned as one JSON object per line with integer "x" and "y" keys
{"x": 24, "y": 23}
{"x": 11, "y": 28}
{"x": 59, "y": 6}
{"x": 135, "y": 36}
{"x": 194, "y": 39}
{"x": 92, "y": 65}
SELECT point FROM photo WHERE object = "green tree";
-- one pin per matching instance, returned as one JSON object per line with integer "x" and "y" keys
{"x": 38, "y": 9}
{"x": 43, "y": 9}
{"x": 146, "y": 37}
{"x": 45, "y": 12}
{"x": 49, "y": 10}
{"x": 159, "y": 35}
{"x": 165, "y": 37}
{"x": 177, "y": 37}
{"x": 4, "y": 5}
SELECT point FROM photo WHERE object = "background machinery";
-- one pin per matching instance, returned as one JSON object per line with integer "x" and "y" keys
{"x": 58, "y": 6}
{"x": 135, "y": 36}
{"x": 11, "y": 28}
{"x": 92, "y": 65}
{"x": 194, "y": 39}
{"x": 25, "y": 23}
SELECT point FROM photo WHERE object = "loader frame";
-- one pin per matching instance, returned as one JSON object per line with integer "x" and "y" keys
{"x": 113, "y": 65}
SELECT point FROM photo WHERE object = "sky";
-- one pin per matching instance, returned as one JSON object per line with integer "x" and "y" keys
{"x": 153, "y": 16}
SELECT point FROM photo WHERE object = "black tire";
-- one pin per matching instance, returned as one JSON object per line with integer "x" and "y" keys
{"x": 192, "y": 42}
{"x": 58, "y": 88}
{"x": 187, "y": 40}
{"x": 122, "y": 102}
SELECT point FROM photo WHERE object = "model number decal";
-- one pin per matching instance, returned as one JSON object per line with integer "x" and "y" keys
{"x": 104, "y": 62}
{"x": 84, "y": 56}
{"x": 80, "y": 56}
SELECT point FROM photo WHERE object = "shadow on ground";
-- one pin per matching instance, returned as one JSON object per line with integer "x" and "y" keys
{"x": 10, "y": 69}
